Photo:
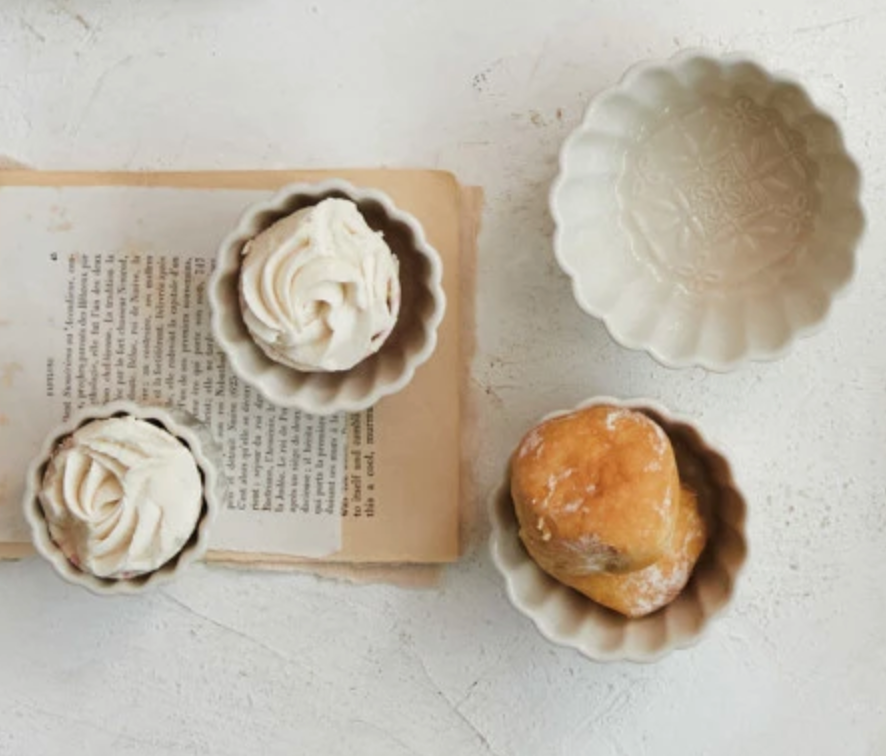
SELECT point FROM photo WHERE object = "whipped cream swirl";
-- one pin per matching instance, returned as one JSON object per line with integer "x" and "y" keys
{"x": 121, "y": 497}
{"x": 320, "y": 290}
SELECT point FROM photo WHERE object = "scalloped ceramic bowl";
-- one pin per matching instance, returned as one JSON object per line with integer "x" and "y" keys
{"x": 570, "y": 619}
{"x": 189, "y": 431}
{"x": 707, "y": 211}
{"x": 386, "y": 372}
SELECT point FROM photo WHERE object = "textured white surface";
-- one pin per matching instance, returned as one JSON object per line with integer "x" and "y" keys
{"x": 231, "y": 663}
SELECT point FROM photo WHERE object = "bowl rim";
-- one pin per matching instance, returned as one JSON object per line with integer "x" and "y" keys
{"x": 537, "y": 615}
{"x": 177, "y": 423}
{"x": 227, "y": 261}
{"x": 778, "y": 76}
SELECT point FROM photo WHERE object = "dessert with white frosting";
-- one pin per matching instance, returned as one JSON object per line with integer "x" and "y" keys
{"x": 320, "y": 289}
{"x": 121, "y": 497}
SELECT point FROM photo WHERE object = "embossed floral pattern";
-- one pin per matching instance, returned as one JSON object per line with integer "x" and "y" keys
{"x": 719, "y": 195}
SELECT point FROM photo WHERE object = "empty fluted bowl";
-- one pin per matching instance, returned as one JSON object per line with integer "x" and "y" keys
{"x": 570, "y": 619}
{"x": 707, "y": 211}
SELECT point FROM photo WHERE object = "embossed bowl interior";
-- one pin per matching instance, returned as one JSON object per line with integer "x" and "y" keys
{"x": 568, "y": 618}
{"x": 707, "y": 211}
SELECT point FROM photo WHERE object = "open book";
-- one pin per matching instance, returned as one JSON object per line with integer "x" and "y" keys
{"x": 102, "y": 296}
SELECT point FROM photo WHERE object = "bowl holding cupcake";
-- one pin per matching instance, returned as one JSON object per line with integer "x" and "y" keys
{"x": 327, "y": 297}
{"x": 619, "y": 530}
{"x": 122, "y": 497}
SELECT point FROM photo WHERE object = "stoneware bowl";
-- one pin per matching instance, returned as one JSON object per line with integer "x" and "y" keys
{"x": 189, "y": 431}
{"x": 386, "y": 372}
{"x": 570, "y": 619}
{"x": 707, "y": 211}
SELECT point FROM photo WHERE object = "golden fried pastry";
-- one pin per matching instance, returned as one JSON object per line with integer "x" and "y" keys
{"x": 639, "y": 593}
{"x": 596, "y": 490}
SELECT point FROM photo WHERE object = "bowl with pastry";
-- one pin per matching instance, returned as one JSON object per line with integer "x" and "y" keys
{"x": 619, "y": 530}
{"x": 707, "y": 210}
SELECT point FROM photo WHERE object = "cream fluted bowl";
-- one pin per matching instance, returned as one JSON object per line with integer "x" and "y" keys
{"x": 707, "y": 211}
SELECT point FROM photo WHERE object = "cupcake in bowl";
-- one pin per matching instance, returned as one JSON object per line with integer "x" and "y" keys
{"x": 707, "y": 211}
{"x": 122, "y": 496}
{"x": 320, "y": 290}
{"x": 619, "y": 530}
{"x": 327, "y": 297}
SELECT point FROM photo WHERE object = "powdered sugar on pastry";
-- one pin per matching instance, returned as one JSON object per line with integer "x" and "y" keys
{"x": 655, "y": 586}
{"x": 540, "y": 527}
{"x": 615, "y": 416}
{"x": 660, "y": 435}
{"x": 589, "y": 555}
{"x": 532, "y": 443}
{"x": 618, "y": 415}
{"x": 553, "y": 481}
{"x": 664, "y": 506}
